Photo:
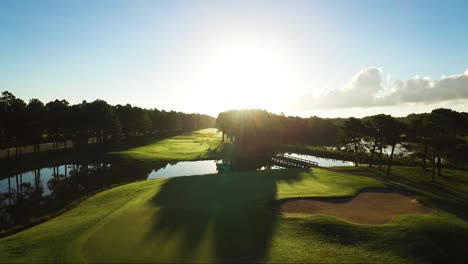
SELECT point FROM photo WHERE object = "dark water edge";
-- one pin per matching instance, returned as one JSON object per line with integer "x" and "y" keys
{"x": 33, "y": 196}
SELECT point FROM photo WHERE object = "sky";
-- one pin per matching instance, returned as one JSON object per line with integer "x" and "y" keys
{"x": 325, "y": 58}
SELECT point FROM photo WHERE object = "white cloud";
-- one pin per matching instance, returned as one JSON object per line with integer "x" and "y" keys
{"x": 424, "y": 89}
{"x": 366, "y": 90}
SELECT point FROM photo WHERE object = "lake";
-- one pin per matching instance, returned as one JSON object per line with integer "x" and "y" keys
{"x": 45, "y": 190}
{"x": 185, "y": 168}
{"x": 47, "y": 178}
{"x": 323, "y": 162}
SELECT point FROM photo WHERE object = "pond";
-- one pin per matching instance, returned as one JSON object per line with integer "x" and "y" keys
{"x": 323, "y": 162}
{"x": 190, "y": 168}
{"x": 45, "y": 190}
{"x": 185, "y": 168}
{"x": 48, "y": 176}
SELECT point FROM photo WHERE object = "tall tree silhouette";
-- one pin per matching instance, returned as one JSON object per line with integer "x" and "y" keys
{"x": 352, "y": 133}
{"x": 58, "y": 122}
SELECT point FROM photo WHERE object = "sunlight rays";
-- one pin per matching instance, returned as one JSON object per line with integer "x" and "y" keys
{"x": 248, "y": 73}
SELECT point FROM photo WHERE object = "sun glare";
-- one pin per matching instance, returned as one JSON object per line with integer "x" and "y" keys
{"x": 248, "y": 74}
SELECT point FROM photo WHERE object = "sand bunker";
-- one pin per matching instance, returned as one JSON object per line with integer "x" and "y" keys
{"x": 376, "y": 206}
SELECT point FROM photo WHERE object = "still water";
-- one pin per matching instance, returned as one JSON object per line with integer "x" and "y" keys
{"x": 190, "y": 168}
{"x": 45, "y": 190}
{"x": 48, "y": 179}
{"x": 185, "y": 168}
{"x": 323, "y": 162}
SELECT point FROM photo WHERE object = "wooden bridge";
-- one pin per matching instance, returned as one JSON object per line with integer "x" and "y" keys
{"x": 292, "y": 162}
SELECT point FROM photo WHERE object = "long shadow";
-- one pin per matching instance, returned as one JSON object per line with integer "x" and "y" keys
{"x": 430, "y": 242}
{"x": 234, "y": 213}
{"x": 213, "y": 153}
{"x": 232, "y": 209}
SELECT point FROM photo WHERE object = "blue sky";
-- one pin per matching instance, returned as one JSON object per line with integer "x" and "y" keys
{"x": 207, "y": 56}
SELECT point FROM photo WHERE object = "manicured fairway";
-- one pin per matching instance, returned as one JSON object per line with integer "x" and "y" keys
{"x": 200, "y": 144}
{"x": 231, "y": 217}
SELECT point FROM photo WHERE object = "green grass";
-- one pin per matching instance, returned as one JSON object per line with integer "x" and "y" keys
{"x": 230, "y": 217}
{"x": 451, "y": 179}
{"x": 201, "y": 144}
{"x": 449, "y": 191}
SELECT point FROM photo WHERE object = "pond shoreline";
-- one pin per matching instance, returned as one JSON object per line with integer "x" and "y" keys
{"x": 45, "y": 192}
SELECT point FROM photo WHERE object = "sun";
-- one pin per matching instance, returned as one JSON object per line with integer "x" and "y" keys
{"x": 246, "y": 73}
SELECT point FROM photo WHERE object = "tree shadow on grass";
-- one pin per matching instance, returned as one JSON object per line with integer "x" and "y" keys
{"x": 213, "y": 153}
{"x": 230, "y": 211}
{"x": 434, "y": 240}
{"x": 421, "y": 240}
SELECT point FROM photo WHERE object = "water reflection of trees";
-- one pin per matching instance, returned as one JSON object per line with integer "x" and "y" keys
{"x": 244, "y": 164}
{"x": 24, "y": 201}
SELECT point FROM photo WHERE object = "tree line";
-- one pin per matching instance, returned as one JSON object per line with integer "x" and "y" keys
{"x": 34, "y": 123}
{"x": 430, "y": 138}
{"x": 261, "y": 128}
{"x": 27, "y": 199}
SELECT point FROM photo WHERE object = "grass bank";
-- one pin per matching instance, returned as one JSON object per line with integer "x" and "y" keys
{"x": 201, "y": 144}
{"x": 230, "y": 218}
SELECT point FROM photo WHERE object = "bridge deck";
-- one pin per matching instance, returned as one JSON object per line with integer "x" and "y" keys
{"x": 293, "y": 162}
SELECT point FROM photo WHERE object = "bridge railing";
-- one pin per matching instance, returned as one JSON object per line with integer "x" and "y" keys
{"x": 298, "y": 159}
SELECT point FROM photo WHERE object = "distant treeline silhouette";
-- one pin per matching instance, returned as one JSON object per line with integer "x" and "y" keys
{"x": 436, "y": 136}
{"x": 262, "y": 128}
{"x": 33, "y": 123}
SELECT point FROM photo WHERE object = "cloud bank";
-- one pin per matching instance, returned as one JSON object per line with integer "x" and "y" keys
{"x": 366, "y": 89}
{"x": 424, "y": 89}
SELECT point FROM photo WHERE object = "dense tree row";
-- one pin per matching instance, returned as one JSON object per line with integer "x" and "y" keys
{"x": 262, "y": 128}
{"x": 436, "y": 136}
{"x": 57, "y": 121}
